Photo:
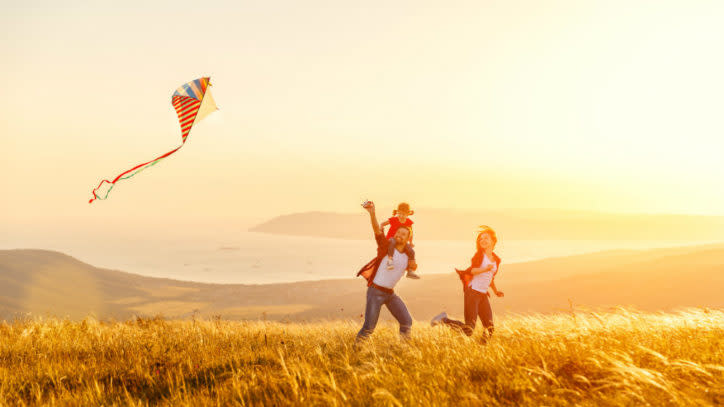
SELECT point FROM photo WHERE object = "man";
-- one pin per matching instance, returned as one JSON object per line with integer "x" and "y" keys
{"x": 381, "y": 281}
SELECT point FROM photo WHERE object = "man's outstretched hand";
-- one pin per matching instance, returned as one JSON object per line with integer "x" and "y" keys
{"x": 370, "y": 207}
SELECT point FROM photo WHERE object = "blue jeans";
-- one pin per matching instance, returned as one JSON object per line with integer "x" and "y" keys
{"x": 477, "y": 305}
{"x": 375, "y": 300}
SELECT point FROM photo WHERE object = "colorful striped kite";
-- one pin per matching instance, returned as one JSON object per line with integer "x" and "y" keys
{"x": 192, "y": 102}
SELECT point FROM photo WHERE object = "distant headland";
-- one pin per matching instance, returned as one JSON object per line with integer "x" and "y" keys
{"x": 523, "y": 224}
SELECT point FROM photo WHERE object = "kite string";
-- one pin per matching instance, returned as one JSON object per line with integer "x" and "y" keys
{"x": 128, "y": 176}
{"x": 136, "y": 170}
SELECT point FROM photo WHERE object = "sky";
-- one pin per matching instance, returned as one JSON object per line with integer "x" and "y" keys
{"x": 604, "y": 106}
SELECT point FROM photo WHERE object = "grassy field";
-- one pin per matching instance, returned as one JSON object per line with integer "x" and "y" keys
{"x": 617, "y": 358}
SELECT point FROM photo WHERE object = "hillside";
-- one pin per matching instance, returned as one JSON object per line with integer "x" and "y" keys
{"x": 51, "y": 283}
{"x": 515, "y": 224}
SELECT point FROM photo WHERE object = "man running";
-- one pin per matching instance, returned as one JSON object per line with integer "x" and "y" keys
{"x": 381, "y": 281}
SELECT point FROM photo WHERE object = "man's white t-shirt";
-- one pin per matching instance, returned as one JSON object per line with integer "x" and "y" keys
{"x": 481, "y": 282}
{"x": 388, "y": 278}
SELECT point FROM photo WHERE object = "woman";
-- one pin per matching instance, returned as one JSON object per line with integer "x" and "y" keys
{"x": 477, "y": 280}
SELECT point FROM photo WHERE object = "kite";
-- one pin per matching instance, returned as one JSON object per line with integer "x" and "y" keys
{"x": 193, "y": 102}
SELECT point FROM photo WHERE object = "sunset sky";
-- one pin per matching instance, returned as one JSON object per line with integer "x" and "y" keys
{"x": 609, "y": 106}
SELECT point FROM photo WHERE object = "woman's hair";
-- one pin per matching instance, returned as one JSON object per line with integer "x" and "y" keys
{"x": 490, "y": 232}
{"x": 478, "y": 257}
{"x": 403, "y": 207}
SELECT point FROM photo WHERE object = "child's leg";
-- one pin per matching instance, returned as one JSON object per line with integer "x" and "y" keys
{"x": 410, "y": 252}
{"x": 390, "y": 253}
{"x": 411, "y": 263}
{"x": 391, "y": 248}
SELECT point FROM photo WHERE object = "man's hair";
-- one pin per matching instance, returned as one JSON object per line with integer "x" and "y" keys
{"x": 409, "y": 229}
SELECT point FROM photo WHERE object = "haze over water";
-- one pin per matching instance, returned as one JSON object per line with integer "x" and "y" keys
{"x": 258, "y": 258}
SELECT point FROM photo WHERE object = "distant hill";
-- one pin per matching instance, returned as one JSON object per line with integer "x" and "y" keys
{"x": 47, "y": 282}
{"x": 51, "y": 283}
{"x": 529, "y": 224}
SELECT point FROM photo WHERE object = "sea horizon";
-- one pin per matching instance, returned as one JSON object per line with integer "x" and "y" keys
{"x": 262, "y": 258}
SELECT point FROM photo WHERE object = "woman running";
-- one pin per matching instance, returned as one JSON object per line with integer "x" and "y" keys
{"x": 477, "y": 280}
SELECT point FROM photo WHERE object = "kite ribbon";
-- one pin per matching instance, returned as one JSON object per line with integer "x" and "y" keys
{"x": 121, "y": 176}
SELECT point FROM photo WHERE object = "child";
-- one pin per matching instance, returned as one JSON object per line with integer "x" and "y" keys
{"x": 400, "y": 218}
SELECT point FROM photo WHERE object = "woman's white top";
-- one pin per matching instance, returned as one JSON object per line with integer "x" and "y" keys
{"x": 481, "y": 282}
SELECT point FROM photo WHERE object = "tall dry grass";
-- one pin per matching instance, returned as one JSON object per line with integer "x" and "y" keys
{"x": 616, "y": 358}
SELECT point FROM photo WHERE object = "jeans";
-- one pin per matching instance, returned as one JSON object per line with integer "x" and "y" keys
{"x": 375, "y": 300}
{"x": 409, "y": 251}
{"x": 477, "y": 305}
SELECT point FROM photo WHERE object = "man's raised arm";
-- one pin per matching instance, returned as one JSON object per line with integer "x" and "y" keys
{"x": 373, "y": 219}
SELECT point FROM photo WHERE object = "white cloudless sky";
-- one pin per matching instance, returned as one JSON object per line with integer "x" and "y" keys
{"x": 606, "y": 106}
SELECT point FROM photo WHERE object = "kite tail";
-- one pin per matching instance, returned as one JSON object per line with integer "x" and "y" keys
{"x": 128, "y": 174}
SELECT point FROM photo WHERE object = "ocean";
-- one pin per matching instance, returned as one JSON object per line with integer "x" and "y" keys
{"x": 257, "y": 258}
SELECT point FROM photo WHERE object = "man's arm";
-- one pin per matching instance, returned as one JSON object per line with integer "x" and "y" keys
{"x": 382, "y": 226}
{"x": 373, "y": 219}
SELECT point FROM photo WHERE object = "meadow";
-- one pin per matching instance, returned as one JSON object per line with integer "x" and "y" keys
{"x": 618, "y": 357}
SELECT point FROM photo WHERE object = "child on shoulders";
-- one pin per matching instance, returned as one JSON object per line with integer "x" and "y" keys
{"x": 401, "y": 218}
